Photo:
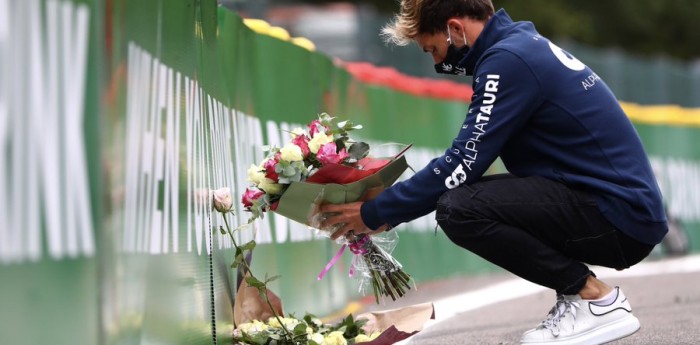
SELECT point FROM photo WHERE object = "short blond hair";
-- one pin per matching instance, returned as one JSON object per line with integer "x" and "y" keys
{"x": 404, "y": 27}
{"x": 430, "y": 16}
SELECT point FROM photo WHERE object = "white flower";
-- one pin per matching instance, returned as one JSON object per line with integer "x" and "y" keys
{"x": 269, "y": 186}
{"x": 256, "y": 173}
{"x": 222, "y": 200}
{"x": 335, "y": 338}
{"x": 288, "y": 322}
{"x": 317, "y": 338}
{"x": 291, "y": 153}
{"x": 362, "y": 338}
{"x": 297, "y": 132}
{"x": 253, "y": 327}
{"x": 318, "y": 140}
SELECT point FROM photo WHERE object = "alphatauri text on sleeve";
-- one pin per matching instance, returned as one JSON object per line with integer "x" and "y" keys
{"x": 545, "y": 113}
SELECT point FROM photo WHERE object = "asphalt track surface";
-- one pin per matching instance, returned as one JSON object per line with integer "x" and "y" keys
{"x": 498, "y": 308}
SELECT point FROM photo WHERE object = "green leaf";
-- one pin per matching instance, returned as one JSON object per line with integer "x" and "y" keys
{"x": 325, "y": 118}
{"x": 312, "y": 321}
{"x": 358, "y": 150}
{"x": 237, "y": 261}
{"x": 248, "y": 246}
{"x": 222, "y": 230}
{"x": 273, "y": 278}
{"x": 289, "y": 170}
{"x": 300, "y": 329}
{"x": 340, "y": 143}
{"x": 351, "y": 331}
{"x": 259, "y": 338}
{"x": 254, "y": 282}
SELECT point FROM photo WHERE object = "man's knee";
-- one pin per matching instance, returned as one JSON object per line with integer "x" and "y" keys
{"x": 456, "y": 212}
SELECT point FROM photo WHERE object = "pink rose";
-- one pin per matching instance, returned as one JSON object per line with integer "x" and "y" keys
{"x": 269, "y": 166}
{"x": 250, "y": 195}
{"x": 316, "y": 127}
{"x": 303, "y": 142}
{"x": 327, "y": 154}
{"x": 222, "y": 200}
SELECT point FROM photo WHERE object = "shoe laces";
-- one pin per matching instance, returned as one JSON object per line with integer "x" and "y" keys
{"x": 565, "y": 305}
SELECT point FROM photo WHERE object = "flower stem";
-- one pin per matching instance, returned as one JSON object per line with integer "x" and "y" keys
{"x": 247, "y": 267}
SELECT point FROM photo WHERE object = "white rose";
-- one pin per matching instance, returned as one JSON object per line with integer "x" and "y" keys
{"x": 288, "y": 322}
{"x": 297, "y": 132}
{"x": 291, "y": 153}
{"x": 222, "y": 200}
{"x": 253, "y": 327}
{"x": 318, "y": 140}
{"x": 269, "y": 186}
{"x": 335, "y": 338}
{"x": 362, "y": 338}
{"x": 245, "y": 327}
{"x": 255, "y": 174}
{"x": 317, "y": 338}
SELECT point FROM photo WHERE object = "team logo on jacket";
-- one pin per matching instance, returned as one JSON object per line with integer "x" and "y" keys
{"x": 457, "y": 178}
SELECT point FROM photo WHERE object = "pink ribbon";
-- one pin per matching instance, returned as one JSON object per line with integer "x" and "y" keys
{"x": 357, "y": 248}
{"x": 332, "y": 262}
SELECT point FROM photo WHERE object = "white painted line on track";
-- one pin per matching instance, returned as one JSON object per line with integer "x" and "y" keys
{"x": 511, "y": 289}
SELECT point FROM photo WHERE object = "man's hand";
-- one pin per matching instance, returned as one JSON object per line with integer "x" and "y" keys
{"x": 347, "y": 215}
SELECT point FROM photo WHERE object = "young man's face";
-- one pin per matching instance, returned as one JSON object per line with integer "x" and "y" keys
{"x": 436, "y": 45}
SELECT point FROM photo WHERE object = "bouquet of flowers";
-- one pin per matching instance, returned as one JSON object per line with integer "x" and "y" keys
{"x": 323, "y": 164}
{"x": 307, "y": 330}
{"x": 307, "y": 152}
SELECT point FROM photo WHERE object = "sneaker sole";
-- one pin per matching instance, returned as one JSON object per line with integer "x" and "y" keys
{"x": 601, "y": 335}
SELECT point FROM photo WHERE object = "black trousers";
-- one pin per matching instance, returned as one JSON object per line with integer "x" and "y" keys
{"x": 538, "y": 229}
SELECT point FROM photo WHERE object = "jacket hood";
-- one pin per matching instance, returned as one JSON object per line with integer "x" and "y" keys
{"x": 499, "y": 26}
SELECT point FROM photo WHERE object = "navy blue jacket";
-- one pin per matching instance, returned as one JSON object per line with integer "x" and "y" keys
{"x": 546, "y": 114}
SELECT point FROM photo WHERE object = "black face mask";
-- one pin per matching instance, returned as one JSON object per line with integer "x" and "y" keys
{"x": 450, "y": 65}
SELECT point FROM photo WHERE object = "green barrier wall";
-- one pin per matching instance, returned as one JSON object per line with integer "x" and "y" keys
{"x": 116, "y": 117}
{"x": 51, "y": 176}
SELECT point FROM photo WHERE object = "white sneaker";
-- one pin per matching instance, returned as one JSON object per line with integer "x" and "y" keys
{"x": 577, "y": 321}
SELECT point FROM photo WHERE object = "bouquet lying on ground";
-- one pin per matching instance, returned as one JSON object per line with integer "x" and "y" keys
{"x": 323, "y": 164}
{"x": 375, "y": 328}
{"x": 307, "y": 330}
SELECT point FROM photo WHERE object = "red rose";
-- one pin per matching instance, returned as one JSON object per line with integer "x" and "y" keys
{"x": 303, "y": 142}
{"x": 269, "y": 166}
{"x": 317, "y": 127}
{"x": 250, "y": 195}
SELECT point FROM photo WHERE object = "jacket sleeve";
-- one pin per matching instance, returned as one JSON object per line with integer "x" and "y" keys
{"x": 506, "y": 93}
